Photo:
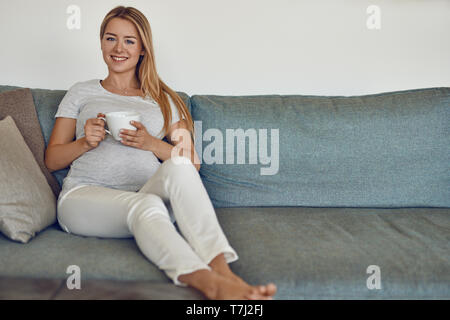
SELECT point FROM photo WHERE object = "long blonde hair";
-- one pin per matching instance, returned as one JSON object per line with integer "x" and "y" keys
{"x": 151, "y": 84}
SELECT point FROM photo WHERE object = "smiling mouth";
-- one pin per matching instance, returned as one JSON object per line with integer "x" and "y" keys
{"x": 118, "y": 59}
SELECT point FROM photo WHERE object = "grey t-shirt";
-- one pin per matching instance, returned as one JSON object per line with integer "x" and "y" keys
{"x": 111, "y": 164}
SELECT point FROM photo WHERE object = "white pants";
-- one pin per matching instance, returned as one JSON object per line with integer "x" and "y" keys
{"x": 175, "y": 187}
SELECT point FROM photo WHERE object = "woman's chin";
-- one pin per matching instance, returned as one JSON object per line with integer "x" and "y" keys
{"x": 120, "y": 68}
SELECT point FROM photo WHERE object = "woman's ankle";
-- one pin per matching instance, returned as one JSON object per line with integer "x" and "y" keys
{"x": 220, "y": 265}
{"x": 202, "y": 280}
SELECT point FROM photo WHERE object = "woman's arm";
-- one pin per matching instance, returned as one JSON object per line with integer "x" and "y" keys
{"x": 164, "y": 151}
{"x": 62, "y": 150}
{"x": 178, "y": 135}
{"x": 180, "y": 138}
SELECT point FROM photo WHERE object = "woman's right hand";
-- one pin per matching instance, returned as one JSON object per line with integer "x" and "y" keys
{"x": 94, "y": 130}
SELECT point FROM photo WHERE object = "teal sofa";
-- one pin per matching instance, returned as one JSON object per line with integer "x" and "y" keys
{"x": 350, "y": 199}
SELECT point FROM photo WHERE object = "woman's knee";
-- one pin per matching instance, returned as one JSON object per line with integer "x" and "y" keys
{"x": 146, "y": 207}
{"x": 178, "y": 167}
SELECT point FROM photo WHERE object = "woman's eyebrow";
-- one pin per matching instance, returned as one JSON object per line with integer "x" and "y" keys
{"x": 115, "y": 35}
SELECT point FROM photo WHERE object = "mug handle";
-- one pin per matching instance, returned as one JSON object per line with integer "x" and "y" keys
{"x": 102, "y": 118}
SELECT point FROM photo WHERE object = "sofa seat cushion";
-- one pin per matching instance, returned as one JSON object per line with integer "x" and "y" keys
{"x": 52, "y": 251}
{"x": 324, "y": 253}
{"x": 310, "y": 253}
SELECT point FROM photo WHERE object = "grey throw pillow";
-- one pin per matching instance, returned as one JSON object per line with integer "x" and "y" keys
{"x": 27, "y": 203}
{"x": 20, "y": 106}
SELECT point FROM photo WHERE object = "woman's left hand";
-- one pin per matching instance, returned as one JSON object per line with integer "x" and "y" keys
{"x": 139, "y": 138}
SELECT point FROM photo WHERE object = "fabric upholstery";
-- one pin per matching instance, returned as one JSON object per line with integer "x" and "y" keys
{"x": 380, "y": 150}
{"x": 379, "y": 143}
{"x": 310, "y": 253}
{"x": 20, "y": 106}
{"x": 27, "y": 203}
{"x": 47, "y": 102}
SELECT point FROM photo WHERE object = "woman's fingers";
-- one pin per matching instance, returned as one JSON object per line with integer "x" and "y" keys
{"x": 99, "y": 122}
{"x": 137, "y": 124}
{"x": 97, "y": 131}
{"x": 128, "y": 132}
{"x": 128, "y": 138}
{"x": 97, "y": 136}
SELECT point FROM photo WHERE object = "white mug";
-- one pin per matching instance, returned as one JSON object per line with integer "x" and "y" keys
{"x": 120, "y": 120}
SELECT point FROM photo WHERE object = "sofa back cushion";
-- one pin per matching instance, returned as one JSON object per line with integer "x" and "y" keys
{"x": 379, "y": 150}
{"x": 20, "y": 106}
{"x": 46, "y": 102}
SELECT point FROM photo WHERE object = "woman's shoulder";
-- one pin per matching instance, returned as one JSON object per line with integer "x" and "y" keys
{"x": 85, "y": 86}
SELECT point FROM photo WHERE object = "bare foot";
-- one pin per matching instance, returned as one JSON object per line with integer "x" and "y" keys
{"x": 268, "y": 290}
{"x": 220, "y": 266}
{"x": 227, "y": 289}
{"x": 215, "y": 286}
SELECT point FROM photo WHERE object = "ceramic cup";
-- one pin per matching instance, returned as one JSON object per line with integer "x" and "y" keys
{"x": 120, "y": 120}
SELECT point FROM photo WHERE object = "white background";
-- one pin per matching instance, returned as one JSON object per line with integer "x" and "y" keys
{"x": 239, "y": 47}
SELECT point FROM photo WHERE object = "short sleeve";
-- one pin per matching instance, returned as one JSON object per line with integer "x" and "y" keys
{"x": 69, "y": 106}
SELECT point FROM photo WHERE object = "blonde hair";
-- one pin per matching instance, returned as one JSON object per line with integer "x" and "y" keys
{"x": 151, "y": 84}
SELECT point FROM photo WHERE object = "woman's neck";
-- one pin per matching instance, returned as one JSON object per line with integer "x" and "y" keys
{"x": 122, "y": 83}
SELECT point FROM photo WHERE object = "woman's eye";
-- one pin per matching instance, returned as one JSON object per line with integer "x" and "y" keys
{"x": 128, "y": 41}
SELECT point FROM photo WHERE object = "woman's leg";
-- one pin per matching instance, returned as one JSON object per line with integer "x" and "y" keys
{"x": 110, "y": 213}
{"x": 179, "y": 185}
{"x": 103, "y": 212}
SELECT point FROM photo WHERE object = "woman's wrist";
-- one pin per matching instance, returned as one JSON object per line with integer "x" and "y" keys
{"x": 161, "y": 149}
{"x": 152, "y": 144}
{"x": 86, "y": 147}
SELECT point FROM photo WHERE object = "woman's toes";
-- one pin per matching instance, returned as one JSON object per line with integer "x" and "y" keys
{"x": 254, "y": 294}
{"x": 267, "y": 290}
{"x": 262, "y": 290}
{"x": 260, "y": 293}
{"x": 257, "y": 296}
{"x": 271, "y": 289}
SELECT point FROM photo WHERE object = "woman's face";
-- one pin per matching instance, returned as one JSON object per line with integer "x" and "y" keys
{"x": 121, "y": 40}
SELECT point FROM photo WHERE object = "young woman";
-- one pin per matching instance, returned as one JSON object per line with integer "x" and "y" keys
{"x": 119, "y": 188}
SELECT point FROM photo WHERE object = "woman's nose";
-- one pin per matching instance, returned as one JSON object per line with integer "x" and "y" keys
{"x": 118, "y": 47}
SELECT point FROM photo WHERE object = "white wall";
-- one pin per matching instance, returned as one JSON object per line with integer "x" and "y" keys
{"x": 240, "y": 47}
